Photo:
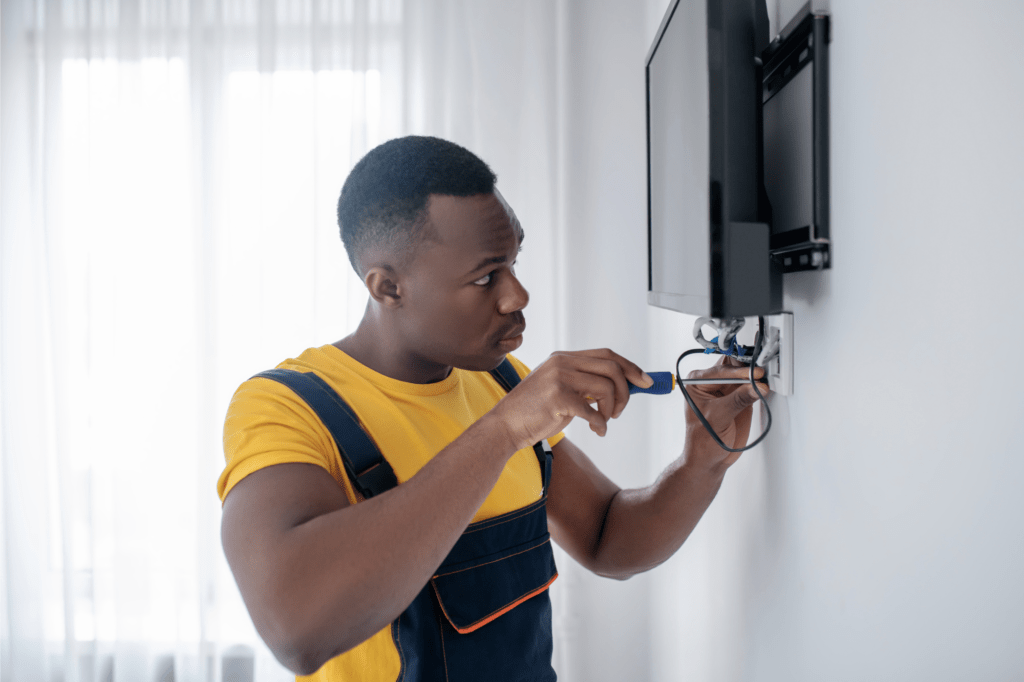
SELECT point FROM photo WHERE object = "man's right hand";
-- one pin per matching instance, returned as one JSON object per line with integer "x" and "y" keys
{"x": 563, "y": 387}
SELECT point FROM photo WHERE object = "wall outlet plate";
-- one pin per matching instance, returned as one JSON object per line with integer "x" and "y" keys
{"x": 780, "y": 368}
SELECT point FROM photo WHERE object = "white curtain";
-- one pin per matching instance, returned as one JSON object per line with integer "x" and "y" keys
{"x": 169, "y": 171}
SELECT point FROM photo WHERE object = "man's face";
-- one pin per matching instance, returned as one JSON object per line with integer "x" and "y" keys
{"x": 461, "y": 302}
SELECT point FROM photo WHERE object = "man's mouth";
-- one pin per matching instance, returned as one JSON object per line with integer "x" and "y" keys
{"x": 513, "y": 337}
{"x": 515, "y": 330}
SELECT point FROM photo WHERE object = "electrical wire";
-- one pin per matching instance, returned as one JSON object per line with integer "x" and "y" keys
{"x": 758, "y": 340}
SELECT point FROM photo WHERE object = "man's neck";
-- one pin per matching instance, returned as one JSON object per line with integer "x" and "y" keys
{"x": 373, "y": 346}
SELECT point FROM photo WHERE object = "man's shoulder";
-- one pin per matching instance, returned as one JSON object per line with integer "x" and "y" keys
{"x": 268, "y": 423}
{"x": 327, "y": 362}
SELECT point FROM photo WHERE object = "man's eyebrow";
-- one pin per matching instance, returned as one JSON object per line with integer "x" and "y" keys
{"x": 493, "y": 260}
{"x": 497, "y": 260}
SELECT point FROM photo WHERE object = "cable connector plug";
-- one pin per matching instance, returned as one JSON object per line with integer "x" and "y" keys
{"x": 771, "y": 348}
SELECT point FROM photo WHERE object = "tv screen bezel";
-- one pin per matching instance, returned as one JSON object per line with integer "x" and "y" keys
{"x": 742, "y": 280}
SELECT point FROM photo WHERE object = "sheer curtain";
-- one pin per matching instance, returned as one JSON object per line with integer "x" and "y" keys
{"x": 169, "y": 171}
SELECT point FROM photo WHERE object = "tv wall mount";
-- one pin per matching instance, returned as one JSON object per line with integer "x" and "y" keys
{"x": 795, "y": 110}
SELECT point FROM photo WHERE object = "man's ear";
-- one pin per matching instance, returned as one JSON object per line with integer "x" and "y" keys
{"x": 382, "y": 283}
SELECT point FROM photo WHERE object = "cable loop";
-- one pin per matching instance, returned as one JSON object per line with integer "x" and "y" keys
{"x": 727, "y": 329}
{"x": 698, "y": 332}
{"x": 758, "y": 340}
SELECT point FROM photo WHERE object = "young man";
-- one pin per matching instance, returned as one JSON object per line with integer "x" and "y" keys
{"x": 440, "y": 571}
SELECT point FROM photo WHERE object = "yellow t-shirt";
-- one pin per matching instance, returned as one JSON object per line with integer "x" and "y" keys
{"x": 268, "y": 424}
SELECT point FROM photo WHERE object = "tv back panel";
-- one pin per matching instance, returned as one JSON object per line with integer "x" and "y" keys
{"x": 795, "y": 101}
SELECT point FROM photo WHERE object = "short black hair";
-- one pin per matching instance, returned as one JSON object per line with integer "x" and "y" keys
{"x": 384, "y": 198}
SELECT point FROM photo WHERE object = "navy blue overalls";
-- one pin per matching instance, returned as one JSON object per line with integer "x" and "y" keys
{"x": 486, "y": 613}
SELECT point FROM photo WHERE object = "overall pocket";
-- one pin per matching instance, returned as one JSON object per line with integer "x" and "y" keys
{"x": 494, "y": 609}
{"x": 473, "y": 596}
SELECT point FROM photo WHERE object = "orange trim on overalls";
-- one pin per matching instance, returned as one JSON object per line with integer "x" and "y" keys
{"x": 503, "y": 610}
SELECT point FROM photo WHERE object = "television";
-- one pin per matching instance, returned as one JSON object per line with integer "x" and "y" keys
{"x": 708, "y": 213}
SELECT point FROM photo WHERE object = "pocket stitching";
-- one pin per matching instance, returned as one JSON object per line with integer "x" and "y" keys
{"x": 470, "y": 568}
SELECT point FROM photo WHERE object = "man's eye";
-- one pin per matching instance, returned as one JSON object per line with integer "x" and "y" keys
{"x": 485, "y": 280}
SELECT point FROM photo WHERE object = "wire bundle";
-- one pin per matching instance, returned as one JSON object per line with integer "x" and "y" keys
{"x": 728, "y": 349}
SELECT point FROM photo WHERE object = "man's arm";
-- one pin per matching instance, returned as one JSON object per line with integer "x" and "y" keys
{"x": 619, "y": 533}
{"x": 320, "y": 576}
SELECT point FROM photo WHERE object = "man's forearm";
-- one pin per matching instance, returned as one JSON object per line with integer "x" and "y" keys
{"x": 644, "y": 527}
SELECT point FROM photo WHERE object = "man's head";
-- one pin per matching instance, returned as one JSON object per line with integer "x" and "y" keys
{"x": 436, "y": 246}
{"x": 382, "y": 210}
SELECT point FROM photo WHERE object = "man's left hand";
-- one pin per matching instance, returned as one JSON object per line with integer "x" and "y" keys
{"x": 727, "y": 407}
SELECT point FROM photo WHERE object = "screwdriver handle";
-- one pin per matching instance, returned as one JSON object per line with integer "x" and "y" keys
{"x": 664, "y": 383}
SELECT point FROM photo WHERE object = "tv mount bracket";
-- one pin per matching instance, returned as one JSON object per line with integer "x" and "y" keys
{"x": 795, "y": 116}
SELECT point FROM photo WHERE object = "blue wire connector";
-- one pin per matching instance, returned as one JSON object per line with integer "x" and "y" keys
{"x": 735, "y": 350}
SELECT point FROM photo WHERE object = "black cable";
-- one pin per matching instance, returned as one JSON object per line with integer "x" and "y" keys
{"x": 758, "y": 340}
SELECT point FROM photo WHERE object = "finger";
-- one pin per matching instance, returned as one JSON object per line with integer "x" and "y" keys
{"x": 727, "y": 401}
{"x": 762, "y": 384}
{"x": 722, "y": 371}
{"x": 578, "y": 407}
{"x": 630, "y": 369}
{"x": 742, "y": 394}
{"x": 586, "y": 362}
{"x": 708, "y": 391}
{"x": 741, "y": 398}
{"x": 742, "y": 423}
{"x": 705, "y": 392}
{"x": 596, "y": 388}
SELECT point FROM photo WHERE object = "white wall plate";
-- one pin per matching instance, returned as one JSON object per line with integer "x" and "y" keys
{"x": 780, "y": 368}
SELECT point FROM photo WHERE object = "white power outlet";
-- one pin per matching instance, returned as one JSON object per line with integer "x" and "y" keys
{"x": 780, "y": 368}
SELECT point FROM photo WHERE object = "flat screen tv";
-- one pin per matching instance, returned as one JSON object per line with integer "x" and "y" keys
{"x": 708, "y": 214}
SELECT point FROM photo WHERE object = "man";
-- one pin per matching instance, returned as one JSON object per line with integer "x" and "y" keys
{"x": 444, "y": 575}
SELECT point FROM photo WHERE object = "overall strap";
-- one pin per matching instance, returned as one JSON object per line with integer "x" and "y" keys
{"x": 369, "y": 472}
{"x": 508, "y": 378}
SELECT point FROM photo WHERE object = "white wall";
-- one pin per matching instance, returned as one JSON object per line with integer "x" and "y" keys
{"x": 606, "y": 628}
{"x": 879, "y": 533}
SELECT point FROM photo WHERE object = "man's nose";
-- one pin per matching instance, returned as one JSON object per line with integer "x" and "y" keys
{"x": 514, "y": 296}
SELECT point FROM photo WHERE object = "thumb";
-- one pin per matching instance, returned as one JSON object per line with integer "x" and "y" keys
{"x": 741, "y": 398}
